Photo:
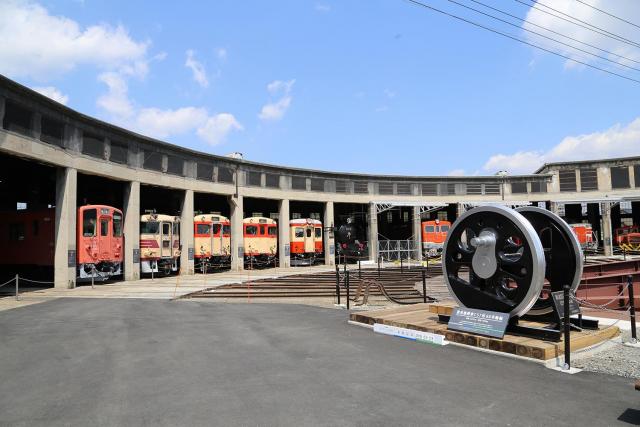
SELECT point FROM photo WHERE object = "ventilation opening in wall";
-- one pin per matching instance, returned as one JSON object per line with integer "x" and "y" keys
{"x": 119, "y": 152}
{"x": 93, "y": 145}
{"x": 17, "y": 118}
{"x": 52, "y": 131}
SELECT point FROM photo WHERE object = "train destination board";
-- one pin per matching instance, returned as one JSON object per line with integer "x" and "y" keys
{"x": 482, "y": 322}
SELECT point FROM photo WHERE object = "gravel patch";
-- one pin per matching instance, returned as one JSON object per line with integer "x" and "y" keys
{"x": 613, "y": 359}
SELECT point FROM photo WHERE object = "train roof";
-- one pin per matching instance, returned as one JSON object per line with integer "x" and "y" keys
{"x": 211, "y": 217}
{"x": 85, "y": 207}
{"x": 159, "y": 217}
{"x": 437, "y": 221}
{"x": 258, "y": 220}
{"x": 304, "y": 221}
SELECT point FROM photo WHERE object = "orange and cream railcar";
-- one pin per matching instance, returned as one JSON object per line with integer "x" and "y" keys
{"x": 260, "y": 240}
{"x": 212, "y": 236}
{"x": 100, "y": 242}
{"x": 586, "y": 236}
{"x": 434, "y": 234}
{"x": 159, "y": 243}
{"x": 304, "y": 235}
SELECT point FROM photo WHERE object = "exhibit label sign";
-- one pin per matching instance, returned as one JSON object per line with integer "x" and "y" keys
{"x": 482, "y": 322}
{"x": 410, "y": 334}
{"x": 558, "y": 302}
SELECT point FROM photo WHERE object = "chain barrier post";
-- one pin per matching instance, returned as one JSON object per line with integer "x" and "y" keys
{"x": 424, "y": 286}
{"x": 359, "y": 270}
{"x": 401, "y": 269}
{"x": 347, "y": 283}
{"x": 17, "y": 287}
{"x": 567, "y": 330}
{"x": 338, "y": 283}
{"x": 379, "y": 257}
{"x": 93, "y": 275}
{"x": 632, "y": 309}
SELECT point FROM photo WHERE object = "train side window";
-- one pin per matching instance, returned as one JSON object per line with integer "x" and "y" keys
{"x": 299, "y": 232}
{"x": 273, "y": 231}
{"x": 176, "y": 228}
{"x": 166, "y": 228}
{"x": 16, "y": 232}
{"x": 444, "y": 228}
{"x": 263, "y": 230}
{"x": 251, "y": 230}
{"x": 318, "y": 232}
{"x": 104, "y": 227}
{"x": 89, "y": 223}
{"x": 308, "y": 232}
{"x": 226, "y": 230}
{"x": 428, "y": 229}
{"x": 117, "y": 224}
{"x": 216, "y": 229}
{"x": 203, "y": 229}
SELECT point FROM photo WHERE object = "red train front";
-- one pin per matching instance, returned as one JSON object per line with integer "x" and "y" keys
{"x": 100, "y": 242}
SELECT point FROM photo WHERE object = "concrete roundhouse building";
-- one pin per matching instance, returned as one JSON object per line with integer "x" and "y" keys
{"x": 53, "y": 156}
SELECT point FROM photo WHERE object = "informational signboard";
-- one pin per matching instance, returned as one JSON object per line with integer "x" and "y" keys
{"x": 332, "y": 250}
{"x": 287, "y": 250}
{"x": 558, "y": 302}
{"x": 481, "y": 322}
{"x": 136, "y": 256}
{"x": 190, "y": 253}
{"x": 71, "y": 258}
{"x": 240, "y": 252}
{"x": 410, "y": 334}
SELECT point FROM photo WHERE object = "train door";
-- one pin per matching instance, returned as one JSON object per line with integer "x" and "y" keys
{"x": 175, "y": 237}
{"x": 309, "y": 243}
{"x": 105, "y": 241}
{"x": 226, "y": 239}
{"x": 318, "y": 239}
{"x": 165, "y": 239}
{"x": 116, "y": 242}
{"x": 216, "y": 239}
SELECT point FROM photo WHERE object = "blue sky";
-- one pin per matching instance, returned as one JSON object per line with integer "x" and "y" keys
{"x": 379, "y": 86}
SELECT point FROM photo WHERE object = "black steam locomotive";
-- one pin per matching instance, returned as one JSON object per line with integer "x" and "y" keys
{"x": 350, "y": 240}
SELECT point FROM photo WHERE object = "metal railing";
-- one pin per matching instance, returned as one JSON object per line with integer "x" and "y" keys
{"x": 396, "y": 250}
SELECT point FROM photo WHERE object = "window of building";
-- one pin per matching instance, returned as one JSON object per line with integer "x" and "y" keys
{"x": 518, "y": 187}
{"x": 92, "y": 145}
{"x": 567, "y": 180}
{"x": 175, "y": 165}
{"x": 474, "y": 188}
{"x": 588, "y": 179}
{"x": 361, "y": 187}
{"x": 620, "y": 177}
{"x": 17, "y": 118}
{"x": 89, "y": 223}
{"x": 272, "y": 180}
{"x": 442, "y": 215}
{"x": 254, "y": 178}
{"x": 52, "y": 131}
{"x": 317, "y": 184}
{"x": 492, "y": 189}
{"x": 429, "y": 189}
{"x": 119, "y": 152}
{"x": 298, "y": 183}
{"x": 538, "y": 187}
{"x": 341, "y": 187}
{"x": 385, "y": 188}
{"x": 225, "y": 174}
{"x": 152, "y": 160}
{"x": 403, "y": 189}
{"x": 204, "y": 171}
{"x": 636, "y": 176}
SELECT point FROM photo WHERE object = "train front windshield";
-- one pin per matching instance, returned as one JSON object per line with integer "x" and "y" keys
{"x": 149, "y": 227}
{"x": 89, "y": 223}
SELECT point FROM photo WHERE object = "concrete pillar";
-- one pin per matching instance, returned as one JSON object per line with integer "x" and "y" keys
{"x": 186, "y": 234}
{"x": 417, "y": 232}
{"x": 132, "y": 231}
{"x": 284, "y": 244}
{"x": 607, "y": 234}
{"x": 65, "y": 258}
{"x": 372, "y": 244}
{"x": 553, "y": 207}
{"x": 237, "y": 248}
{"x": 329, "y": 241}
{"x": 460, "y": 209}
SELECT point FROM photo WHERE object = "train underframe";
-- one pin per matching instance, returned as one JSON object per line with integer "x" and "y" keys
{"x": 101, "y": 271}
{"x": 164, "y": 266}
{"x": 211, "y": 263}
{"x": 304, "y": 259}
{"x": 431, "y": 250}
{"x": 259, "y": 260}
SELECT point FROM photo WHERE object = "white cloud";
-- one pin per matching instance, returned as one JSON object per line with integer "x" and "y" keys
{"x": 456, "y": 172}
{"x": 221, "y": 53}
{"x": 216, "y": 128}
{"x": 624, "y": 8}
{"x": 199, "y": 73}
{"x": 39, "y": 45}
{"x": 276, "y": 110}
{"x": 162, "y": 123}
{"x": 52, "y": 93}
{"x": 390, "y": 93}
{"x": 322, "y": 7}
{"x": 617, "y": 141}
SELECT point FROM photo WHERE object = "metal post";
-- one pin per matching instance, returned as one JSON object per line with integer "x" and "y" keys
{"x": 567, "y": 330}
{"x": 338, "y": 283}
{"x": 347, "y": 283}
{"x": 359, "y": 270}
{"x": 379, "y": 257}
{"x": 17, "y": 287}
{"x": 151, "y": 264}
{"x": 424, "y": 286}
{"x": 632, "y": 309}
{"x": 401, "y": 270}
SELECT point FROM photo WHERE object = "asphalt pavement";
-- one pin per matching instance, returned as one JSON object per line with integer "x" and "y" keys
{"x": 137, "y": 362}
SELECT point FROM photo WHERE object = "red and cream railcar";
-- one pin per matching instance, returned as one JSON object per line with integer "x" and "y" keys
{"x": 27, "y": 238}
{"x": 159, "y": 243}
{"x": 304, "y": 240}
{"x": 99, "y": 242}
{"x": 212, "y": 235}
{"x": 260, "y": 240}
